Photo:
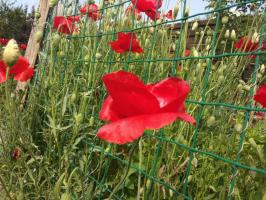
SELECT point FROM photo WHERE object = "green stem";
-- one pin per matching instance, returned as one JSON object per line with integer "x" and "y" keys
{"x": 5, "y": 188}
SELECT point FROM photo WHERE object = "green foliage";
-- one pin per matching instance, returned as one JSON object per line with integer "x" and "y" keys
{"x": 15, "y": 22}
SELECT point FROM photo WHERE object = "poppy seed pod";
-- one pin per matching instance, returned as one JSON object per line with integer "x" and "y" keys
{"x": 233, "y": 35}
{"x": 186, "y": 14}
{"x": 38, "y": 36}
{"x": 11, "y": 53}
{"x": 195, "y": 26}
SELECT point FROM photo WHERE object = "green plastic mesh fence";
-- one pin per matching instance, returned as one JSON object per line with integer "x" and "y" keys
{"x": 221, "y": 157}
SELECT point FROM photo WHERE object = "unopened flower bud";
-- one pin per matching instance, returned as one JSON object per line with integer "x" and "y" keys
{"x": 259, "y": 75}
{"x": 38, "y": 36}
{"x": 195, "y": 26}
{"x": 225, "y": 20}
{"x": 238, "y": 127}
{"x": 247, "y": 87}
{"x": 233, "y": 35}
{"x": 73, "y": 97}
{"x": 195, "y": 53}
{"x": 176, "y": 10}
{"x": 211, "y": 121}
{"x": 209, "y": 32}
{"x": 147, "y": 42}
{"x": 37, "y": 15}
{"x": 220, "y": 71}
{"x": 52, "y": 3}
{"x": 78, "y": 118}
{"x": 220, "y": 78}
{"x": 91, "y": 123}
{"x": 56, "y": 39}
{"x": 11, "y": 53}
{"x": 151, "y": 30}
{"x": 98, "y": 56}
{"x": 227, "y": 34}
{"x": 186, "y": 14}
{"x": 255, "y": 38}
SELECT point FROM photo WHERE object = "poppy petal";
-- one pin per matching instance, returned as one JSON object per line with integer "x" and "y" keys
{"x": 130, "y": 95}
{"x": 21, "y": 65}
{"x": 129, "y": 129}
{"x": 25, "y": 75}
{"x": 170, "y": 90}
{"x": 2, "y": 71}
{"x": 107, "y": 112}
{"x": 260, "y": 95}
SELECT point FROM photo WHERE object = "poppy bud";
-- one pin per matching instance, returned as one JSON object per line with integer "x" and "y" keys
{"x": 225, "y": 20}
{"x": 255, "y": 38}
{"x": 220, "y": 78}
{"x": 220, "y": 71}
{"x": 262, "y": 69}
{"x": 73, "y": 97}
{"x": 91, "y": 121}
{"x": 227, "y": 34}
{"x": 199, "y": 68}
{"x": 56, "y": 39}
{"x": 38, "y": 36}
{"x": 207, "y": 47}
{"x": 98, "y": 56}
{"x": 151, "y": 30}
{"x": 238, "y": 127}
{"x": 195, "y": 26}
{"x": 52, "y": 3}
{"x": 61, "y": 54}
{"x": 173, "y": 47}
{"x": 259, "y": 75}
{"x": 209, "y": 32}
{"x": 16, "y": 153}
{"x": 208, "y": 40}
{"x": 78, "y": 118}
{"x": 65, "y": 196}
{"x": 186, "y": 14}
{"x": 246, "y": 87}
{"x": 189, "y": 178}
{"x": 37, "y": 14}
{"x": 176, "y": 10}
{"x": 147, "y": 42}
{"x": 202, "y": 33}
{"x": 11, "y": 53}
{"x": 195, "y": 53}
{"x": 211, "y": 121}
{"x": 194, "y": 162}
{"x": 233, "y": 35}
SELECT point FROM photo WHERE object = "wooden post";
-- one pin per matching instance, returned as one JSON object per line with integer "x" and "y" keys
{"x": 33, "y": 46}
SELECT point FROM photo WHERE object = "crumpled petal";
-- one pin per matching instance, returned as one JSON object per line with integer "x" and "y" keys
{"x": 170, "y": 90}
{"x": 129, "y": 129}
{"x": 25, "y": 75}
{"x": 130, "y": 95}
{"x": 21, "y": 65}
{"x": 3, "y": 68}
{"x": 260, "y": 95}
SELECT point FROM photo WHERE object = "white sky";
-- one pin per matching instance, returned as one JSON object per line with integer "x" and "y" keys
{"x": 196, "y": 6}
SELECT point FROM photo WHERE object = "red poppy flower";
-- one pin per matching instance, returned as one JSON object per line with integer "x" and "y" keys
{"x": 134, "y": 107}
{"x": 260, "y": 95}
{"x": 169, "y": 15}
{"x": 147, "y": 5}
{"x": 21, "y": 70}
{"x": 153, "y": 15}
{"x": 65, "y": 25}
{"x": 22, "y": 47}
{"x": 122, "y": 44}
{"x": 4, "y": 41}
{"x": 92, "y": 10}
{"x": 187, "y": 53}
{"x": 129, "y": 11}
{"x": 16, "y": 153}
{"x": 245, "y": 44}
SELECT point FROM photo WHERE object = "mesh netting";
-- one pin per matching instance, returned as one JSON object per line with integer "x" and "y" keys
{"x": 213, "y": 160}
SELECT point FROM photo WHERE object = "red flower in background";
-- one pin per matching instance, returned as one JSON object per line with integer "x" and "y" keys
{"x": 92, "y": 10}
{"x": 4, "y": 41}
{"x": 150, "y": 7}
{"x": 65, "y": 25}
{"x": 187, "y": 53}
{"x": 21, "y": 70}
{"x": 259, "y": 115}
{"x": 16, "y": 153}
{"x": 22, "y": 47}
{"x": 122, "y": 44}
{"x": 134, "y": 107}
{"x": 147, "y": 5}
{"x": 129, "y": 12}
{"x": 169, "y": 15}
{"x": 260, "y": 95}
{"x": 245, "y": 44}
